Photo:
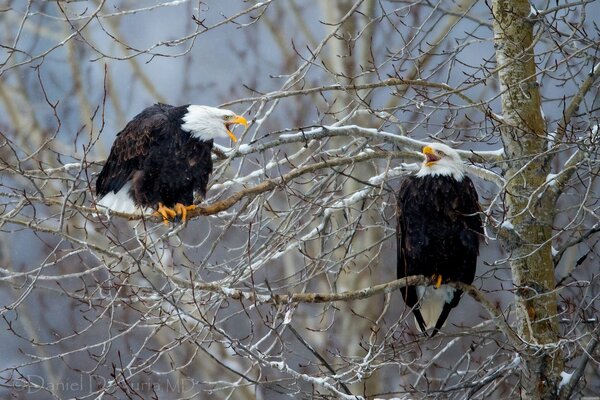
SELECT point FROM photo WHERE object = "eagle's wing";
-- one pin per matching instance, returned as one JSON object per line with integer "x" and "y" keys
{"x": 409, "y": 293}
{"x": 472, "y": 208}
{"x": 130, "y": 149}
{"x": 470, "y": 217}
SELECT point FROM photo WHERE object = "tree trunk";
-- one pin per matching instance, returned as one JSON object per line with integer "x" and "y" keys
{"x": 524, "y": 137}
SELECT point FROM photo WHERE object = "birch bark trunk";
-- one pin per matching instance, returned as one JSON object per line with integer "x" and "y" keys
{"x": 531, "y": 217}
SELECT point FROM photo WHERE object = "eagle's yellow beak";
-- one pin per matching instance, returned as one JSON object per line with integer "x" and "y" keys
{"x": 238, "y": 119}
{"x": 431, "y": 155}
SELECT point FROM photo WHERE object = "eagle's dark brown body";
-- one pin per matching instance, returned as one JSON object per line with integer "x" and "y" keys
{"x": 439, "y": 230}
{"x": 157, "y": 160}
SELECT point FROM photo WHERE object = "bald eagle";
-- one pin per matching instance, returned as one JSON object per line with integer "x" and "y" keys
{"x": 161, "y": 157}
{"x": 438, "y": 233}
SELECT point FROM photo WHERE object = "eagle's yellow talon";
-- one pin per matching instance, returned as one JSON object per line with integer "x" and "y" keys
{"x": 166, "y": 213}
{"x": 183, "y": 210}
{"x": 438, "y": 281}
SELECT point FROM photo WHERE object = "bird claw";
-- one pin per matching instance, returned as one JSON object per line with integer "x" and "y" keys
{"x": 437, "y": 279}
{"x": 165, "y": 212}
{"x": 178, "y": 212}
{"x": 183, "y": 210}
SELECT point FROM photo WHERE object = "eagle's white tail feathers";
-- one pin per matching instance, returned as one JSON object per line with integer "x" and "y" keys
{"x": 122, "y": 202}
{"x": 432, "y": 302}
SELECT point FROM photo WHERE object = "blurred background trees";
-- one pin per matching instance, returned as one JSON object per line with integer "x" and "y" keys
{"x": 342, "y": 96}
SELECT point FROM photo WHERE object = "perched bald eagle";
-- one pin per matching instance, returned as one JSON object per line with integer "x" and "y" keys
{"x": 161, "y": 157}
{"x": 438, "y": 234}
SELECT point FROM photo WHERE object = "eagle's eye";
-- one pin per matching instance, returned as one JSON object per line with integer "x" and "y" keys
{"x": 441, "y": 153}
{"x": 227, "y": 117}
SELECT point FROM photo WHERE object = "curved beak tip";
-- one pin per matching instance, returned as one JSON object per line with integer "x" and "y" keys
{"x": 231, "y": 135}
{"x": 238, "y": 119}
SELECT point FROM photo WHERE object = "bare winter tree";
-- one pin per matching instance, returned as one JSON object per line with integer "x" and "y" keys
{"x": 283, "y": 282}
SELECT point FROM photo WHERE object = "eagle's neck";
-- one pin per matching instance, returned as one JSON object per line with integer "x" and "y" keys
{"x": 453, "y": 170}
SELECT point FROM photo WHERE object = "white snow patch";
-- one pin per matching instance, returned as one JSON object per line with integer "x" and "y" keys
{"x": 516, "y": 361}
{"x": 551, "y": 179}
{"x": 175, "y": 3}
{"x": 278, "y": 365}
{"x": 263, "y": 298}
{"x": 507, "y": 225}
{"x": 322, "y": 382}
{"x": 244, "y": 149}
{"x": 594, "y": 129}
{"x": 498, "y": 152}
{"x": 247, "y": 295}
{"x": 551, "y": 137}
{"x": 288, "y": 316}
{"x": 224, "y": 149}
{"x": 228, "y": 291}
{"x": 497, "y": 117}
{"x": 565, "y": 379}
{"x": 70, "y": 166}
{"x": 533, "y": 11}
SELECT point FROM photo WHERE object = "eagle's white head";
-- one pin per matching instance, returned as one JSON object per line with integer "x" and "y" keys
{"x": 206, "y": 123}
{"x": 441, "y": 160}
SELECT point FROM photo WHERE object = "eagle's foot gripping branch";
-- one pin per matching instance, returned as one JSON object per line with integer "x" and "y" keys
{"x": 183, "y": 210}
{"x": 172, "y": 214}
{"x": 437, "y": 279}
{"x": 166, "y": 213}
